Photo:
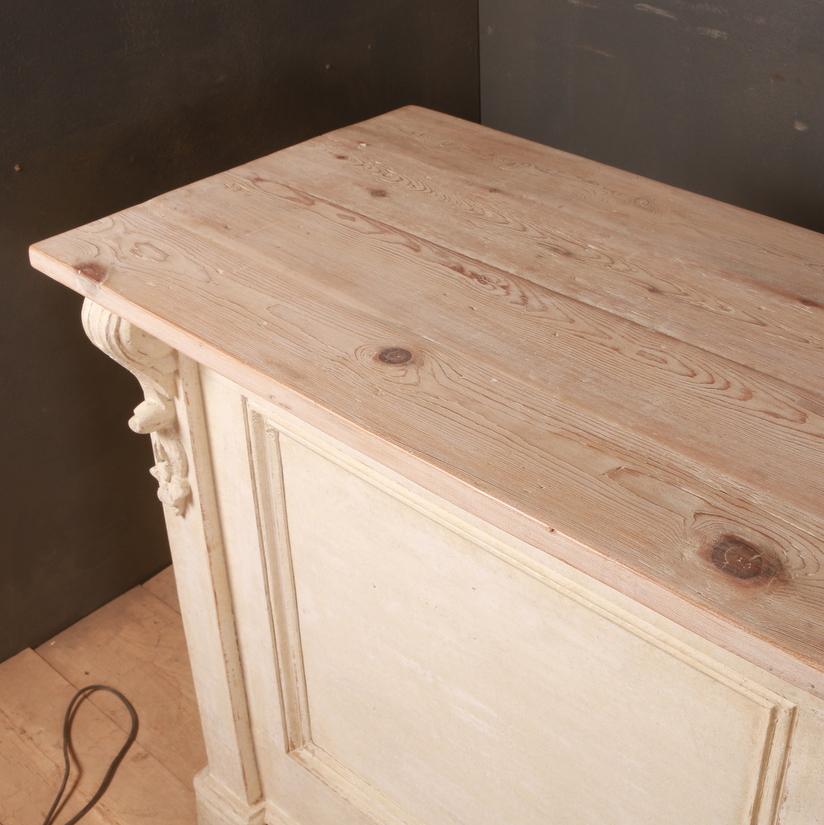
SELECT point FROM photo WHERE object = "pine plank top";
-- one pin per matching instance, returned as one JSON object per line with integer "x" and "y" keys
{"x": 624, "y": 374}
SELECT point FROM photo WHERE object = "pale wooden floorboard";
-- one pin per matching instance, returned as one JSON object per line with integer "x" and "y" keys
{"x": 135, "y": 643}
{"x": 28, "y": 777}
{"x": 33, "y": 698}
{"x": 164, "y": 588}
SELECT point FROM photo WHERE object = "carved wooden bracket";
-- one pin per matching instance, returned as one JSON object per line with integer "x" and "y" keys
{"x": 154, "y": 364}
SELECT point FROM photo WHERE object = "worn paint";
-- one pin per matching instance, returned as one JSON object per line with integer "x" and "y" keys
{"x": 713, "y": 34}
{"x": 647, "y": 9}
{"x": 592, "y": 50}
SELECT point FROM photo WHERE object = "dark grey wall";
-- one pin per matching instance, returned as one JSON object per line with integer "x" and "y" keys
{"x": 724, "y": 97}
{"x": 105, "y": 103}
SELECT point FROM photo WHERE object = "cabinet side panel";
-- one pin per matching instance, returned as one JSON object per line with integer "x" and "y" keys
{"x": 803, "y": 798}
{"x": 458, "y": 685}
{"x": 249, "y": 500}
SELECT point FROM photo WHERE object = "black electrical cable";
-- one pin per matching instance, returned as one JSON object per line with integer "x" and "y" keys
{"x": 70, "y": 755}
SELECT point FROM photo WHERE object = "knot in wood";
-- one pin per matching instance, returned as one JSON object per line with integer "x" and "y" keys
{"x": 395, "y": 355}
{"x": 92, "y": 270}
{"x": 739, "y": 558}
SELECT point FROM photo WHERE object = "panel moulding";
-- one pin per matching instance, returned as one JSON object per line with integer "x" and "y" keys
{"x": 265, "y": 455}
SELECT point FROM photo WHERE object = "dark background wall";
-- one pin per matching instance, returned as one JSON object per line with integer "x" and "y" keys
{"x": 723, "y": 97}
{"x": 105, "y": 103}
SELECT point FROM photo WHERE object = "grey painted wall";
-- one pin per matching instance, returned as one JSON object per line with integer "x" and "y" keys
{"x": 105, "y": 103}
{"x": 724, "y": 97}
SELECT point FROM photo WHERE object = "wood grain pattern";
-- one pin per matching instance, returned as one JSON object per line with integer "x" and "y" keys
{"x": 608, "y": 365}
{"x": 638, "y": 252}
{"x": 599, "y": 356}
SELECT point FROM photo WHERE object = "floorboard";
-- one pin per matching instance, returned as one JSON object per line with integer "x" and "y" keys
{"x": 136, "y": 644}
{"x": 164, "y": 588}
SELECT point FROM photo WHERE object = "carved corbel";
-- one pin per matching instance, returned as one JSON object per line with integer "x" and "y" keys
{"x": 154, "y": 364}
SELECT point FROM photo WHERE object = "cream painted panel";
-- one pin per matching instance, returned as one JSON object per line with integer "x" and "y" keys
{"x": 466, "y": 690}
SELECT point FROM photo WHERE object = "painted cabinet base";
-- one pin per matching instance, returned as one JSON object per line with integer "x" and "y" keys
{"x": 365, "y": 652}
{"x": 216, "y": 805}
{"x": 404, "y": 663}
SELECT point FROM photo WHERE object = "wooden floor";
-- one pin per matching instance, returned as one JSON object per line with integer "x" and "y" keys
{"x": 135, "y": 643}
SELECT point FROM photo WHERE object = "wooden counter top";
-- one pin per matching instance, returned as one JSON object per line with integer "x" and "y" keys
{"x": 624, "y": 374}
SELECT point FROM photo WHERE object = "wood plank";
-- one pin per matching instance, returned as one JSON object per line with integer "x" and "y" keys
{"x": 655, "y": 213}
{"x": 163, "y": 587}
{"x": 728, "y": 409}
{"x": 33, "y": 698}
{"x": 582, "y": 247}
{"x": 136, "y": 643}
{"x": 646, "y": 445}
{"x": 28, "y": 778}
{"x": 610, "y": 366}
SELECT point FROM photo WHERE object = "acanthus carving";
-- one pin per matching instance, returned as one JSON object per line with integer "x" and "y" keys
{"x": 154, "y": 364}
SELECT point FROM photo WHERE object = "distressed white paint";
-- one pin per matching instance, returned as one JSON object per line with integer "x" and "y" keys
{"x": 400, "y": 661}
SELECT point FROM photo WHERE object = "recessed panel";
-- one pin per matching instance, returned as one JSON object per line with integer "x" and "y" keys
{"x": 466, "y": 688}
